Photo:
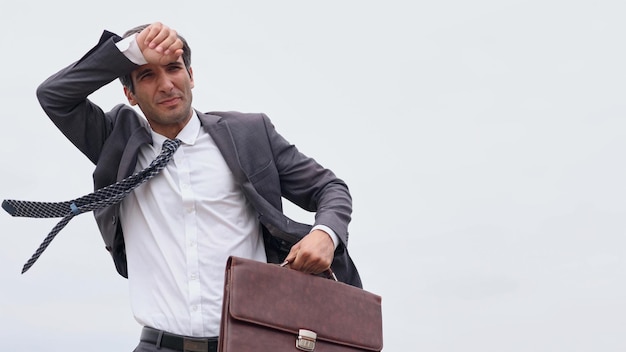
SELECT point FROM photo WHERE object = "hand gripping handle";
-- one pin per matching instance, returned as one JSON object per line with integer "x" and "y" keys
{"x": 328, "y": 272}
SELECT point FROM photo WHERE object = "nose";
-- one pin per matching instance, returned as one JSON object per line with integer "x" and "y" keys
{"x": 165, "y": 84}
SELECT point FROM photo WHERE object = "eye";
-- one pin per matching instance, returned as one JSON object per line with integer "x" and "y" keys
{"x": 144, "y": 75}
{"x": 174, "y": 68}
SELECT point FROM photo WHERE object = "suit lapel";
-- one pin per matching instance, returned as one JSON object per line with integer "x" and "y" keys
{"x": 218, "y": 129}
{"x": 128, "y": 161}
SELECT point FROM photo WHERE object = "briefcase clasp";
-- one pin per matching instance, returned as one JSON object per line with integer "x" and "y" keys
{"x": 306, "y": 340}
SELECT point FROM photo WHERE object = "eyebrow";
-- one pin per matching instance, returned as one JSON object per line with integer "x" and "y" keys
{"x": 175, "y": 63}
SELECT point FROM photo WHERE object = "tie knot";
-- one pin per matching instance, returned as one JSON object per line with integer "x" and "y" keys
{"x": 171, "y": 145}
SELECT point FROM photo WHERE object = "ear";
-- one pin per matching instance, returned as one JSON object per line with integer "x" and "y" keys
{"x": 130, "y": 96}
{"x": 190, "y": 71}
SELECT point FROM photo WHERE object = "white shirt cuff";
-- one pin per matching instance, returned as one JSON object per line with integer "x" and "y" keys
{"x": 331, "y": 233}
{"x": 128, "y": 46}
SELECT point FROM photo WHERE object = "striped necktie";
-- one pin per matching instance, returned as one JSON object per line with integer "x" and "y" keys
{"x": 99, "y": 199}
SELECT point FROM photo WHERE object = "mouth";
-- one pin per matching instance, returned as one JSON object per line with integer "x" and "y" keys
{"x": 169, "y": 101}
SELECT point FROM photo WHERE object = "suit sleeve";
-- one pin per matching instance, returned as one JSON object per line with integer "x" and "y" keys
{"x": 63, "y": 96}
{"x": 309, "y": 185}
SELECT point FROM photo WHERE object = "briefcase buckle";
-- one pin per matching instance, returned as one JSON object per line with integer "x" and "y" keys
{"x": 306, "y": 340}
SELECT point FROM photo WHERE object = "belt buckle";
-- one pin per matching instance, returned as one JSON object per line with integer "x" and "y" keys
{"x": 195, "y": 345}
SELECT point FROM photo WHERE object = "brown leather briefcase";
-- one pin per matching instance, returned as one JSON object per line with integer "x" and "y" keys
{"x": 269, "y": 308}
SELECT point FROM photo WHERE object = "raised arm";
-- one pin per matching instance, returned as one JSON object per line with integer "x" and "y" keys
{"x": 63, "y": 96}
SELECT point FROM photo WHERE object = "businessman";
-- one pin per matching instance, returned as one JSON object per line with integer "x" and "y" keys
{"x": 219, "y": 195}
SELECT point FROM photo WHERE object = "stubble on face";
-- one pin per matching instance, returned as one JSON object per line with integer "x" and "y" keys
{"x": 164, "y": 95}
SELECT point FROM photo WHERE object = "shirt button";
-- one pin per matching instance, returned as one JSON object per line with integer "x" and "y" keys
{"x": 193, "y": 277}
{"x": 194, "y": 308}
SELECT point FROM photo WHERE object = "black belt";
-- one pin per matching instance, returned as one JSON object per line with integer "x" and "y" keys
{"x": 178, "y": 342}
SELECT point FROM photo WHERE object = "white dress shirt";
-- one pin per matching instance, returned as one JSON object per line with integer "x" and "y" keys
{"x": 179, "y": 229}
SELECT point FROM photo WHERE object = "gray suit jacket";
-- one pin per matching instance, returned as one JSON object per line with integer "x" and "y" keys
{"x": 265, "y": 165}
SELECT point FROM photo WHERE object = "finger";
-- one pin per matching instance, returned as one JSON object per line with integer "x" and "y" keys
{"x": 291, "y": 256}
{"x": 175, "y": 48}
{"x": 167, "y": 40}
{"x": 162, "y": 40}
{"x": 149, "y": 33}
{"x": 301, "y": 260}
{"x": 314, "y": 267}
{"x": 306, "y": 262}
{"x": 159, "y": 37}
{"x": 141, "y": 38}
{"x": 298, "y": 262}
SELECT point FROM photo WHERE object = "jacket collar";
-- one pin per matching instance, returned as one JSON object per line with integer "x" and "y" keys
{"x": 128, "y": 160}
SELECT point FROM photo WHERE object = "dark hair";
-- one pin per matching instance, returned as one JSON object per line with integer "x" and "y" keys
{"x": 127, "y": 80}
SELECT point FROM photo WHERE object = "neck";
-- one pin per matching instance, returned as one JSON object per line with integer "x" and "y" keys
{"x": 171, "y": 130}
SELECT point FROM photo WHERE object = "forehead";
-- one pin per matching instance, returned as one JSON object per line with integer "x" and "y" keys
{"x": 153, "y": 67}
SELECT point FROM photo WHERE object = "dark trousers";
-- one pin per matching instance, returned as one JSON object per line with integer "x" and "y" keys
{"x": 151, "y": 347}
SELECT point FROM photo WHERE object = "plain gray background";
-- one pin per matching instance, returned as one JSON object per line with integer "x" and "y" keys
{"x": 482, "y": 141}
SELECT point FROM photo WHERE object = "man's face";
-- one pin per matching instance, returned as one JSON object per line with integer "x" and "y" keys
{"x": 163, "y": 93}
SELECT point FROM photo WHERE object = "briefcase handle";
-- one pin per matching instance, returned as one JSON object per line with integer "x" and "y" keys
{"x": 328, "y": 272}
